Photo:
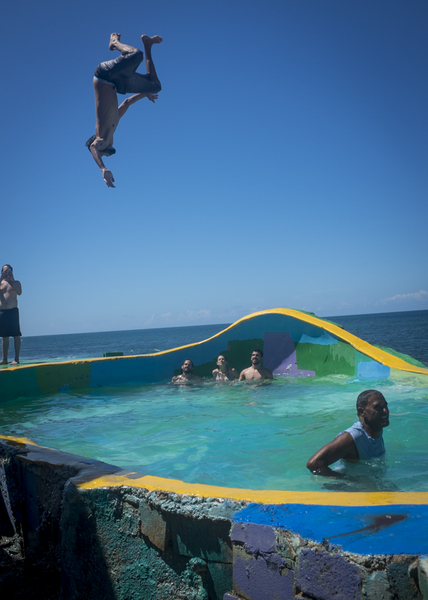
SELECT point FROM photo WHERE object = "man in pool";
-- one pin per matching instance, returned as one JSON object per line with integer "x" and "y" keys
{"x": 363, "y": 440}
{"x": 256, "y": 371}
{"x": 114, "y": 77}
{"x": 186, "y": 375}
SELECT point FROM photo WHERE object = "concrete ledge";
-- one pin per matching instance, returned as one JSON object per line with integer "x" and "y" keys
{"x": 128, "y": 542}
{"x": 113, "y": 543}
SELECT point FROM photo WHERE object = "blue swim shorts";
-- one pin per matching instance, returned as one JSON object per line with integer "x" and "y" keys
{"x": 121, "y": 73}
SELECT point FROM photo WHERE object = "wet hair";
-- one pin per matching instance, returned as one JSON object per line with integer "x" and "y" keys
{"x": 186, "y": 359}
{"x": 258, "y": 350}
{"x": 108, "y": 151}
{"x": 364, "y": 397}
{"x": 223, "y": 355}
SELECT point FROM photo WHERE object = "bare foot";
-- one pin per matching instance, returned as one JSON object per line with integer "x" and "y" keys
{"x": 149, "y": 41}
{"x": 15, "y": 362}
{"x": 114, "y": 38}
{"x": 4, "y": 362}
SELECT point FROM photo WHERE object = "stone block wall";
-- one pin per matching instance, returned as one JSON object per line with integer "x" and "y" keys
{"x": 270, "y": 563}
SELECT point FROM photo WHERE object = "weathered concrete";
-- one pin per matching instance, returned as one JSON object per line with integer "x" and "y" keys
{"x": 323, "y": 576}
{"x": 120, "y": 543}
{"x": 274, "y": 564}
{"x": 124, "y": 541}
{"x": 423, "y": 576}
{"x": 180, "y": 551}
{"x": 259, "y": 571}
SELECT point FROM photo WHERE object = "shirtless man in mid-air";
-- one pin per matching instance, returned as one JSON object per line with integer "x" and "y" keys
{"x": 114, "y": 77}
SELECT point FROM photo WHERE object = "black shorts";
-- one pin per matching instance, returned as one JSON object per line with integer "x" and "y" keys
{"x": 9, "y": 323}
{"x": 121, "y": 72}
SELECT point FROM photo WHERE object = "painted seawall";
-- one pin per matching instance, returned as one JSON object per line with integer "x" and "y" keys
{"x": 295, "y": 344}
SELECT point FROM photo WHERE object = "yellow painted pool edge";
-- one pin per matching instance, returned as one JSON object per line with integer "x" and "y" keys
{"x": 151, "y": 483}
{"x": 381, "y": 356}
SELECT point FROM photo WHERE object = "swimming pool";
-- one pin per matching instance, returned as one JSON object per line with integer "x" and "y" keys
{"x": 240, "y": 436}
{"x": 261, "y": 510}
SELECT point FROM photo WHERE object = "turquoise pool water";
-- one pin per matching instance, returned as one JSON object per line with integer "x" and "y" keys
{"x": 241, "y": 435}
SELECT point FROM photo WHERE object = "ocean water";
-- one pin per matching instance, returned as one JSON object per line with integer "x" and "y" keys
{"x": 405, "y": 332}
{"x": 244, "y": 435}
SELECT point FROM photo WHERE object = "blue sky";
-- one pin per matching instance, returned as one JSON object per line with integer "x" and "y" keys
{"x": 284, "y": 164}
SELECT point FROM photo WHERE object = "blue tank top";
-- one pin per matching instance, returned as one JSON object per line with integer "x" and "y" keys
{"x": 367, "y": 447}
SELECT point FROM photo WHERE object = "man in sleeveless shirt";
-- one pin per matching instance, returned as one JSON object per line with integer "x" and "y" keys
{"x": 363, "y": 440}
{"x": 118, "y": 76}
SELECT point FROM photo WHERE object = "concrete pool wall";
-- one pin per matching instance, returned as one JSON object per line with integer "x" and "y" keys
{"x": 295, "y": 344}
{"x": 101, "y": 532}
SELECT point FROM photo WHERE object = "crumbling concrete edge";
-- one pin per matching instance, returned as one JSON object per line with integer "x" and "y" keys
{"x": 113, "y": 542}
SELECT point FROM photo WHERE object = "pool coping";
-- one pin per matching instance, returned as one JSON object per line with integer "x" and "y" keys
{"x": 380, "y": 355}
{"x": 122, "y": 477}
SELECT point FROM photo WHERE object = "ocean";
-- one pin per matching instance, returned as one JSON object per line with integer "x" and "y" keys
{"x": 405, "y": 332}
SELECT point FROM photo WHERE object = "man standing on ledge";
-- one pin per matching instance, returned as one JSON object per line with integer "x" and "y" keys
{"x": 363, "y": 440}
{"x": 10, "y": 289}
{"x": 114, "y": 77}
{"x": 256, "y": 371}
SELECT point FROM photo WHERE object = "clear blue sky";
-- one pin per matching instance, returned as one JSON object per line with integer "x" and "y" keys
{"x": 285, "y": 163}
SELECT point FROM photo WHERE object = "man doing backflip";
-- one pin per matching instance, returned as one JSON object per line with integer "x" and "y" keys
{"x": 114, "y": 77}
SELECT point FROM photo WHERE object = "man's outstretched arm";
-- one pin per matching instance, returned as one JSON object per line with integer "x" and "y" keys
{"x": 343, "y": 446}
{"x": 132, "y": 99}
{"x": 107, "y": 175}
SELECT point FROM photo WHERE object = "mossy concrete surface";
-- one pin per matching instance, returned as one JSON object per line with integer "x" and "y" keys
{"x": 109, "y": 543}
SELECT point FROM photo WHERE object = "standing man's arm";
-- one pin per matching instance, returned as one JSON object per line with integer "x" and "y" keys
{"x": 16, "y": 285}
{"x": 343, "y": 446}
{"x": 107, "y": 175}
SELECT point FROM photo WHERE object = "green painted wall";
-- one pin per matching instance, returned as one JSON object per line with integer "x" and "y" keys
{"x": 325, "y": 360}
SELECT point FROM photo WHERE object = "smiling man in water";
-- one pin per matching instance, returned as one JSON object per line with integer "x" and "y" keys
{"x": 363, "y": 440}
{"x": 114, "y": 77}
{"x": 186, "y": 375}
{"x": 256, "y": 371}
